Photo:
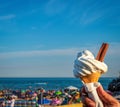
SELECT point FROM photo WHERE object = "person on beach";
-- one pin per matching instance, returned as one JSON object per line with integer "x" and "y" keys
{"x": 40, "y": 97}
{"x": 13, "y": 98}
{"x": 106, "y": 98}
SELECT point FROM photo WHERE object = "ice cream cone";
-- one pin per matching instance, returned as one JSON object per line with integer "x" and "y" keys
{"x": 89, "y": 69}
{"x": 94, "y": 77}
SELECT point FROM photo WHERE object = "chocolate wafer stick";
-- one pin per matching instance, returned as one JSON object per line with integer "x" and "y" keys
{"x": 102, "y": 52}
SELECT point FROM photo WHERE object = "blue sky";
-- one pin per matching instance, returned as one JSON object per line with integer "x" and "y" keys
{"x": 41, "y": 38}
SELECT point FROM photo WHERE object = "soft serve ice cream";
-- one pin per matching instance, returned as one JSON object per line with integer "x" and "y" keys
{"x": 86, "y": 64}
{"x": 89, "y": 69}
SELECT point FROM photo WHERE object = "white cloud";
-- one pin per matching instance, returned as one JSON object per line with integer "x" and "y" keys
{"x": 114, "y": 50}
{"x": 93, "y": 12}
{"x": 38, "y": 53}
{"x": 7, "y": 17}
{"x": 86, "y": 19}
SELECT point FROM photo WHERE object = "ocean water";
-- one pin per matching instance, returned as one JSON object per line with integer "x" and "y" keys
{"x": 46, "y": 83}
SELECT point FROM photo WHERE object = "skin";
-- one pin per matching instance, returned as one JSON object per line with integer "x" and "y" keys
{"x": 107, "y": 99}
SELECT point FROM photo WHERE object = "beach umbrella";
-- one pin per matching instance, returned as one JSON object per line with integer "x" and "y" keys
{"x": 58, "y": 93}
{"x": 14, "y": 96}
{"x": 72, "y": 88}
{"x": 22, "y": 91}
{"x": 46, "y": 101}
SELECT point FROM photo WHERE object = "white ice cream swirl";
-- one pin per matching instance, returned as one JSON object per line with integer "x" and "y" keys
{"x": 86, "y": 64}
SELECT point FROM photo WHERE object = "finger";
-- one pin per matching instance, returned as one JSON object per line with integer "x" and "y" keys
{"x": 88, "y": 102}
{"x": 105, "y": 97}
{"x": 83, "y": 90}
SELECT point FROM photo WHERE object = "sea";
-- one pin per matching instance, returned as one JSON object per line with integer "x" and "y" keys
{"x": 46, "y": 83}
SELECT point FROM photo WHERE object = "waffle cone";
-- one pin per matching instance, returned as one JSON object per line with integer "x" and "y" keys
{"x": 94, "y": 77}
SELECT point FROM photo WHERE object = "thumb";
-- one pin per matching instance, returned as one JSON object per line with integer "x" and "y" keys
{"x": 105, "y": 97}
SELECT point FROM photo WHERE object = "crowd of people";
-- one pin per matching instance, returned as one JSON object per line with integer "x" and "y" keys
{"x": 40, "y": 97}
